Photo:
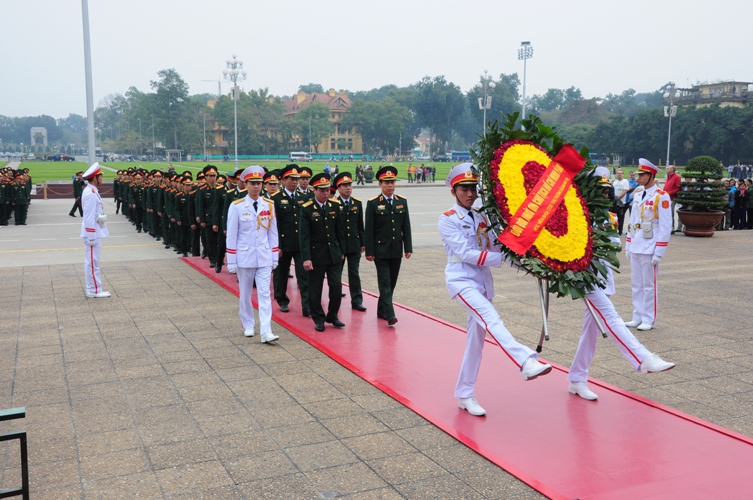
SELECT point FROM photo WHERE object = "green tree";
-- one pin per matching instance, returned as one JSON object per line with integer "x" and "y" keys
{"x": 381, "y": 124}
{"x": 170, "y": 103}
{"x": 313, "y": 125}
{"x": 312, "y": 88}
{"x": 505, "y": 100}
{"x": 438, "y": 106}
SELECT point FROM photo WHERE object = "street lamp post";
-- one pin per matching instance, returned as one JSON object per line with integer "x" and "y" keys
{"x": 525, "y": 52}
{"x": 670, "y": 111}
{"x": 233, "y": 73}
{"x": 205, "y": 136}
{"x": 485, "y": 102}
{"x": 140, "y": 152}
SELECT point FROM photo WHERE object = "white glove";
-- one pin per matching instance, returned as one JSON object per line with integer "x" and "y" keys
{"x": 274, "y": 266}
{"x": 628, "y": 254}
{"x": 232, "y": 268}
{"x": 101, "y": 219}
{"x": 655, "y": 260}
{"x": 91, "y": 243}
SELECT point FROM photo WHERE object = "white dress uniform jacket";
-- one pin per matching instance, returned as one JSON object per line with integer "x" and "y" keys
{"x": 252, "y": 240}
{"x": 91, "y": 204}
{"x": 653, "y": 209}
{"x": 470, "y": 252}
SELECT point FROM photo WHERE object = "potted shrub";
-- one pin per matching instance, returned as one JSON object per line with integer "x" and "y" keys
{"x": 368, "y": 174}
{"x": 702, "y": 195}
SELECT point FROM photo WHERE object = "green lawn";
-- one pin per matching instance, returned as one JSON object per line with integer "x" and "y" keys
{"x": 3, "y": 163}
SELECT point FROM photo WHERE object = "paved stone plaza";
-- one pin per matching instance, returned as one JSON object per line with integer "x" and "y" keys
{"x": 155, "y": 393}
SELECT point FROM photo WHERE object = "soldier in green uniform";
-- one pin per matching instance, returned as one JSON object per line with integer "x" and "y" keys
{"x": 223, "y": 182}
{"x": 287, "y": 206}
{"x": 78, "y": 188}
{"x": 234, "y": 190}
{"x": 157, "y": 204}
{"x": 204, "y": 203}
{"x": 353, "y": 245}
{"x": 6, "y": 191}
{"x": 115, "y": 188}
{"x": 164, "y": 204}
{"x": 321, "y": 239}
{"x": 194, "y": 234}
{"x": 136, "y": 200}
{"x": 271, "y": 183}
{"x": 387, "y": 236}
{"x": 182, "y": 214}
{"x": 303, "y": 182}
{"x": 20, "y": 201}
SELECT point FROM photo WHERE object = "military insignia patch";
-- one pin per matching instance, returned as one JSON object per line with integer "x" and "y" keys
{"x": 665, "y": 204}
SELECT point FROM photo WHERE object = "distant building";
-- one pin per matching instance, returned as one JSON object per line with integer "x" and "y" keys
{"x": 725, "y": 93}
{"x": 343, "y": 141}
{"x": 217, "y": 136}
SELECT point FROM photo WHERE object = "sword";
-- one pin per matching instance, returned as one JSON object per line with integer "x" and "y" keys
{"x": 595, "y": 317}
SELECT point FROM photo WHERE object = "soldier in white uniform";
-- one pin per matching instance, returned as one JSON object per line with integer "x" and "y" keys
{"x": 93, "y": 229}
{"x": 470, "y": 255}
{"x": 635, "y": 352}
{"x": 252, "y": 251}
{"x": 646, "y": 242}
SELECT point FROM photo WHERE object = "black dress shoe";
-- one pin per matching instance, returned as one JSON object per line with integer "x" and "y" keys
{"x": 212, "y": 263}
{"x": 290, "y": 275}
{"x": 336, "y": 323}
{"x": 218, "y": 269}
{"x": 343, "y": 295}
{"x": 203, "y": 256}
{"x": 167, "y": 246}
{"x": 392, "y": 321}
{"x": 284, "y": 308}
{"x": 159, "y": 239}
{"x": 358, "y": 307}
{"x": 319, "y": 327}
{"x": 72, "y": 215}
{"x": 306, "y": 313}
{"x": 185, "y": 254}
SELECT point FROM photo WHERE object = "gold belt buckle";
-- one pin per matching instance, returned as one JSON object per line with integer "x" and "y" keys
{"x": 637, "y": 226}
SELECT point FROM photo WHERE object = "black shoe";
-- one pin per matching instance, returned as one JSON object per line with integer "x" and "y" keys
{"x": 212, "y": 263}
{"x": 185, "y": 254}
{"x": 167, "y": 246}
{"x": 284, "y": 308}
{"x": 290, "y": 275}
{"x": 392, "y": 321}
{"x": 358, "y": 307}
{"x": 306, "y": 313}
{"x": 138, "y": 230}
{"x": 319, "y": 327}
{"x": 72, "y": 215}
{"x": 159, "y": 239}
{"x": 203, "y": 256}
{"x": 336, "y": 323}
{"x": 343, "y": 295}
{"x": 218, "y": 269}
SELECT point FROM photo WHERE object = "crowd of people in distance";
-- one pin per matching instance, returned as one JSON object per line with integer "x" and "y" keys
{"x": 739, "y": 214}
{"x": 15, "y": 195}
{"x": 423, "y": 173}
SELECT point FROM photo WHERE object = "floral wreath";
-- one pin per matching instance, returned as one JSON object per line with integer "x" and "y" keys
{"x": 570, "y": 249}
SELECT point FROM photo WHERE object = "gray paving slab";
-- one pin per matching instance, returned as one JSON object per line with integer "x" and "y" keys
{"x": 154, "y": 393}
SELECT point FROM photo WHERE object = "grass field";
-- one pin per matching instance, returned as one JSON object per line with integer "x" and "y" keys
{"x": 62, "y": 171}
{"x": 3, "y": 163}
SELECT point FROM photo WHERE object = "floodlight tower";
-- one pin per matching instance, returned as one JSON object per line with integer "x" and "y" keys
{"x": 485, "y": 102}
{"x": 233, "y": 73}
{"x": 525, "y": 52}
{"x": 669, "y": 111}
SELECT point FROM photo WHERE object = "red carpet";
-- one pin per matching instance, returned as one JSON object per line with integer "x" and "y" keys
{"x": 621, "y": 447}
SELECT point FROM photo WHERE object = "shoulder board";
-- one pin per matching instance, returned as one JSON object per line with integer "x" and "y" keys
{"x": 397, "y": 197}
{"x": 449, "y": 212}
{"x": 219, "y": 187}
{"x": 374, "y": 198}
{"x": 308, "y": 203}
{"x": 192, "y": 192}
{"x": 354, "y": 198}
{"x": 265, "y": 198}
{"x": 238, "y": 201}
{"x": 242, "y": 191}
{"x": 659, "y": 191}
{"x": 276, "y": 193}
{"x": 335, "y": 200}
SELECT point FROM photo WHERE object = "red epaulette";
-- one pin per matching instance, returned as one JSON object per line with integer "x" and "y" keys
{"x": 449, "y": 212}
{"x": 660, "y": 191}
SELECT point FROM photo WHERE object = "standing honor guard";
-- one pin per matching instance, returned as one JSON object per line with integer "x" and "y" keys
{"x": 252, "y": 251}
{"x": 78, "y": 188}
{"x": 93, "y": 229}
{"x": 599, "y": 299}
{"x": 305, "y": 180}
{"x": 322, "y": 238}
{"x": 287, "y": 207}
{"x": 353, "y": 245}
{"x": 646, "y": 242}
{"x": 204, "y": 204}
{"x": 387, "y": 234}
{"x": 470, "y": 255}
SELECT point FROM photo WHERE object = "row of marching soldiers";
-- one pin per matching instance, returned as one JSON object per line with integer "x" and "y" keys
{"x": 15, "y": 195}
{"x": 188, "y": 215}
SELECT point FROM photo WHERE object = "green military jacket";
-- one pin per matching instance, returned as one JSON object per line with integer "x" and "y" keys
{"x": 230, "y": 196}
{"x": 353, "y": 225}
{"x": 322, "y": 235}
{"x": 288, "y": 216}
{"x": 205, "y": 203}
{"x": 387, "y": 228}
{"x": 78, "y": 188}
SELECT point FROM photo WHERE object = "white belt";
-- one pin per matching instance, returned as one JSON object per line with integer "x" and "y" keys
{"x": 454, "y": 258}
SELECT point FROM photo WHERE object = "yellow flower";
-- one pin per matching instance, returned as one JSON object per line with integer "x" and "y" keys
{"x": 566, "y": 248}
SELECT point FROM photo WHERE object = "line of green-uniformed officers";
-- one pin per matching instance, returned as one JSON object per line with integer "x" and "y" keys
{"x": 318, "y": 237}
{"x": 15, "y": 195}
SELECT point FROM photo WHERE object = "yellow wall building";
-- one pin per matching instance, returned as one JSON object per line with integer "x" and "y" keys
{"x": 342, "y": 141}
{"x": 733, "y": 94}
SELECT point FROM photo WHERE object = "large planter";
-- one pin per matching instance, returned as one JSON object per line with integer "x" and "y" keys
{"x": 699, "y": 223}
{"x": 368, "y": 176}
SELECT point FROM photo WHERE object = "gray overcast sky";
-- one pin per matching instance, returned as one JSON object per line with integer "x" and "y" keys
{"x": 599, "y": 46}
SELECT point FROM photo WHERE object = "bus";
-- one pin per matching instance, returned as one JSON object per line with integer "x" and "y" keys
{"x": 461, "y": 156}
{"x": 297, "y": 156}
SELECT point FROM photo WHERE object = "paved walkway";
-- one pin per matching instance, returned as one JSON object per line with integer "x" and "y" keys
{"x": 154, "y": 393}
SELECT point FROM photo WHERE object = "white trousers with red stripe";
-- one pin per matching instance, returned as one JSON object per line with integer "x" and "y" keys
{"x": 629, "y": 346}
{"x": 92, "y": 276}
{"x": 645, "y": 292}
{"x": 483, "y": 318}
{"x": 246, "y": 276}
